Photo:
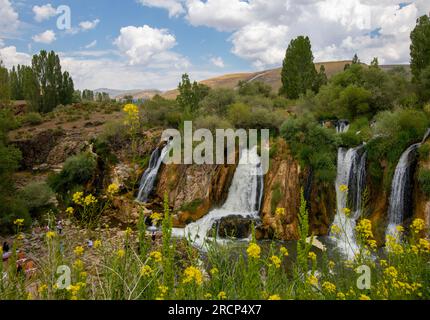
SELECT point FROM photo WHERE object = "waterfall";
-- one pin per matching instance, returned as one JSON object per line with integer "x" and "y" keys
{"x": 401, "y": 191}
{"x": 342, "y": 126}
{"x": 150, "y": 175}
{"x": 351, "y": 172}
{"x": 244, "y": 199}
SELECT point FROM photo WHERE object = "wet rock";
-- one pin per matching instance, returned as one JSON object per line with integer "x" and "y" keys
{"x": 234, "y": 227}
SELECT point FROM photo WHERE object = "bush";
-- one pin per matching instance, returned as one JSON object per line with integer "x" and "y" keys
{"x": 36, "y": 195}
{"x": 211, "y": 122}
{"x": 217, "y": 102}
{"x": 254, "y": 88}
{"x": 32, "y": 118}
{"x": 77, "y": 171}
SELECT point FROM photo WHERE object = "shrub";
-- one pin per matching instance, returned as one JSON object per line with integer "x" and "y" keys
{"x": 424, "y": 151}
{"x": 36, "y": 195}
{"x": 32, "y": 118}
{"x": 77, "y": 171}
{"x": 217, "y": 101}
{"x": 211, "y": 122}
{"x": 254, "y": 88}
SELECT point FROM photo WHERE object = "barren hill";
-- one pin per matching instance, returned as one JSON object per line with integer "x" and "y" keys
{"x": 271, "y": 77}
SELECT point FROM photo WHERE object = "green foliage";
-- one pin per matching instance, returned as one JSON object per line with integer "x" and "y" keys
{"x": 420, "y": 47}
{"x": 424, "y": 151}
{"x": 254, "y": 88}
{"x": 313, "y": 145}
{"x": 191, "y": 206}
{"x": 77, "y": 171}
{"x": 162, "y": 112}
{"x": 211, "y": 122}
{"x": 276, "y": 196}
{"x": 190, "y": 95}
{"x": 217, "y": 102}
{"x": 424, "y": 85}
{"x": 303, "y": 246}
{"x": 394, "y": 132}
{"x": 298, "y": 71}
{"x": 36, "y": 195}
{"x": 424, "y": 181}
{"x": 4, "y": 84}
{"x": 32, "y": 118}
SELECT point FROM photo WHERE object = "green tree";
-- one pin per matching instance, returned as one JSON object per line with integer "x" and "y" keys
{"x": 320, "y": 80}
{"x": 298, "y": 71}
{"x": 420, "y": 47}
{"x": 374, "y": 63}
{"x": 355, "y": 59}
{"x": 4, "y": 84}
{"x": 190, "y": 95}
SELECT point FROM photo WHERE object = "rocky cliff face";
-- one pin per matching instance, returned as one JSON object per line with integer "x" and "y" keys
{"x": 194, "y": 189}
{"x": 421, "y": 200}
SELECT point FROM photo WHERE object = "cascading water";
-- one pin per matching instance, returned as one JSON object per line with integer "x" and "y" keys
{"x": 244, "y": 199}
{"x": 351, "y": 172}
{"x": 150, "y": 175}
{"x": 401, "y": 192}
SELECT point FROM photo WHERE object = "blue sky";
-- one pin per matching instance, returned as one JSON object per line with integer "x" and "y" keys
{"x": 149, "y": 43}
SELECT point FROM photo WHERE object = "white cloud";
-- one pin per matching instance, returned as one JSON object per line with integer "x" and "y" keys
{"x": 1, "y": 43}
{"x": 261, "y": 43}
{"x": 218, "y": 62}
{"x": 174, "y": 7}
{"x": 143, "y": 44}
{"x": 11, "y": 57}
{"x": 91, "y": 44}
{"x": 46, "y": 37}
{"x": 88, "y": 25}
{"x": 44, "y": 12}
{"x": 9, "y": 19}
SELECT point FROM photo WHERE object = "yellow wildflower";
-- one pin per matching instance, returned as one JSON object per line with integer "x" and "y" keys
{"x": 156, "y": 255}
{"x": 335, "y": 229}
{"x": 42, "y": 289}
{"x": 312, "y": 280}
{"x": 383, "y": 263}
{"x": 128, "y": 232}
{"x": 78, "y": 264}
{"x": 312, "y": 256}
{"x": 120, "y": 253}
{"x": 276, "y": 261}
{"x": 254, "y": 251}
{"x": 346, "y": 211}
{"x": 214, "y": 271}
{"x": 155, "y": 217}
{"x": 146, "y": 271}
{"x": 112, "y": 189}
{"x": 331, "y": 264}
{"x": 418, "y": 225}
{"x": 222, "y": 295}
{"x": 131, "y": 108}
{"x": 208, "y": 296}
{"x": 97, "y": 244}
{"x": 79, "y": 251}
{"x": 364, "y": 229}
{"x": 400, "y": 229}
{"x": 329, "y": 287}
{"x": 70, "y": 211}
{"x": 18, "y": 222}
{"x": 364, "y": 297}
{"x": 340, "y": 296}
{"x": 343, "y": 188}
{"x": 391, "y": 272}
{"x": 280, "y": 212}
{"x": 83, "y": 275}
{"x": 284, "y": 251}
{"x": 274, "y": 297}
{"x": 50, "y": 235}
{"x": 424, "y": 245}
{"x": 192, "y": 274}
{"x": 90, "y": 200}
{"x": 77, "y": 197}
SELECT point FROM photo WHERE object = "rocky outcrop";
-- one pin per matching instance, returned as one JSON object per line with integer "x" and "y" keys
{"x": 194, "y": 189}
{"x": 421, "y": 200}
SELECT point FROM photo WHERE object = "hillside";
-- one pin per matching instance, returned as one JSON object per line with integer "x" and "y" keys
{"x": 271, "y": 77}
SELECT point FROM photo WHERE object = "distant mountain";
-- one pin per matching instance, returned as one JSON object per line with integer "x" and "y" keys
{"x": 113, "y": 93}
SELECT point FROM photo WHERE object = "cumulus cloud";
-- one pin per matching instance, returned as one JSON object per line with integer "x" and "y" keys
{"x": 88, "y": 25}
{"x": 261, "y": 29}
{"x": 261, "y": 43}
{"x": 143, "y": 45}
{"x": 174, "y": 7}
{"x": 217, "y": 62}
{"x": 46, "y": 37}
{"x": 9, "y": 19}
{"x": 44, "y": 12}
{"x": 11, "y": 57}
